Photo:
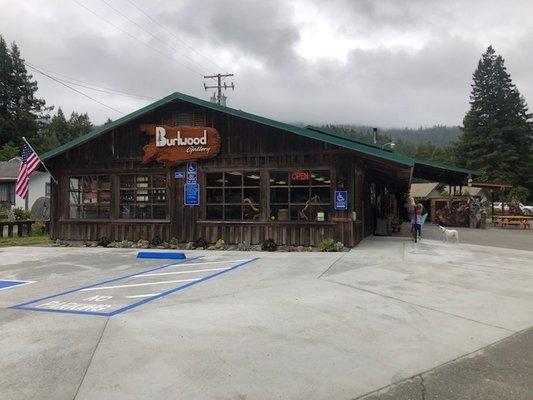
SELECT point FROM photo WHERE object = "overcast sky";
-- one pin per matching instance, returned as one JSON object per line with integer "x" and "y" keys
{"x": 386, "y": 63}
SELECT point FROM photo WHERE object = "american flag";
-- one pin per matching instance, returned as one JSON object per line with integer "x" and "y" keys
{"x": 30, "y": 161}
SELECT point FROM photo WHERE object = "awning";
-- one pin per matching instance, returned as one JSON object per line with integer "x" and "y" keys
{"x": 443, "y": 173}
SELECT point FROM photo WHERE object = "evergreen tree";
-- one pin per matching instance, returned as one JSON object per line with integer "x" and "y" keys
{"x": 60, "y": 130}
{"x": 56, "y": 132}
{"x": 79, "y": 124}
{"x": 497, "y": 135}
{"x": 21, "y": 112}
{"x": 7, "y": 125}
{"x": 8, "y": 151}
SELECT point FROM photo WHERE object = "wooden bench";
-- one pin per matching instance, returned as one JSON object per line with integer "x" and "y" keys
{"x": 23, "y": 227}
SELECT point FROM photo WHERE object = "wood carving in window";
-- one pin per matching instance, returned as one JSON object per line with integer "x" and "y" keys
{"x": 233, "y": 195}
{"x": 300, "y": 195}
{"x": 90, "y": 197}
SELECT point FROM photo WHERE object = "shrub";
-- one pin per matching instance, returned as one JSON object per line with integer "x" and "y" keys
{"x": 329, "y": 245}
{"x": 174, "y": 241}
{"x": 38, "y": 227}
{"x": 103, "y": 241}
{"x": 244, "y": 246}
{"x": 518, "y": 192}
{"x": 156, "y": 241}
{"x": 269, "y": 245}
{"x": 200, "y": 244}
{"x": 3, "y": 213}
{"x": 21, "y": 214}
{"x": 61, "y": 243}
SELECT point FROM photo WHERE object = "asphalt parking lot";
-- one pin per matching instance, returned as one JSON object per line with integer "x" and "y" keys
{"x": 91, "y": 323}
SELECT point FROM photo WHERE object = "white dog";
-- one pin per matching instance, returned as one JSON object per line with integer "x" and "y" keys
{"x": 449, "y": 233}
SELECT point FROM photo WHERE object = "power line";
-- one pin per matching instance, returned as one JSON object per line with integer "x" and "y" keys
{"x": 168, "y": 31}
{"x": 73, "y": 89}
{"x": 89, "y": 85}
{"x": 148, "y": 32}
{"x": 136, "y": 38}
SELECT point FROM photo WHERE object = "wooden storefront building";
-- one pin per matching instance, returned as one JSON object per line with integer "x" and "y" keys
{"x": 186, "y": 168}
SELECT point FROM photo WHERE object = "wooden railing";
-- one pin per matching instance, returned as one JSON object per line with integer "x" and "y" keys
{"x": 23, "y": 227}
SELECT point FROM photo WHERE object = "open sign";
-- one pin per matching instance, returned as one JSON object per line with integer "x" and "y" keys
{"x": 300, "y": 175}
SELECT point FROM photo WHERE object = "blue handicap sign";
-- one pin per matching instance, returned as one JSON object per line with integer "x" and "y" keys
{"x": 191, "y": 194}
{"x": 341, "y": 200}
{"x": 179, "y": 174}
{"x": 192, "y": 172}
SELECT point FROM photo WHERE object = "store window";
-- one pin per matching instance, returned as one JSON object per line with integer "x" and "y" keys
{"x": 7, "y": 192}
{"x": 300, "y": 195}
{"x": 143, "y": 196}
{"x": 233, "y": 195}
{"x": 90, "y": 197}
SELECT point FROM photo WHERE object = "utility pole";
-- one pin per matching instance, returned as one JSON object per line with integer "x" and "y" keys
{"x": 220, "y": 98}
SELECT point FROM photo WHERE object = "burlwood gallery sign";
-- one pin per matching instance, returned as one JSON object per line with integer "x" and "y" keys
{"x": 171, "y": 145}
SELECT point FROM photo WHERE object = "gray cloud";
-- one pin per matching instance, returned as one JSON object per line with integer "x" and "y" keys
{"x": 405, "y": 64}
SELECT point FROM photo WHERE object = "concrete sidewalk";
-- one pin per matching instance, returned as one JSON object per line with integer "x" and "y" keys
{"x": 510, "y": 238}
{"x": 499, "y": 371}
{"x": 287, "y": 326}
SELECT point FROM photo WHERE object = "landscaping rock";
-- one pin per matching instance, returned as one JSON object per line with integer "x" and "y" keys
{"x": 220, "y": 245}
{"x": 142, "y": 244}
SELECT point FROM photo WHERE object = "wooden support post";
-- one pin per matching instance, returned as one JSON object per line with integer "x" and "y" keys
{"x": 492, "y": 203}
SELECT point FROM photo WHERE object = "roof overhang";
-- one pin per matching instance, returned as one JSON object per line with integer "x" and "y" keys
{"x": 443, "y": 173}
{"x": 492, "y": 185}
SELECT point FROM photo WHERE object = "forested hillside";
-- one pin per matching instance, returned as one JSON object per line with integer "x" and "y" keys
{"x": 425, "y": 143}
{"x": 441, "y": 135}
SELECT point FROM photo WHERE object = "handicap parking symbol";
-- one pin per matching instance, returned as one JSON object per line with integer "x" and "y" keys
{"x": 341, "y": 200}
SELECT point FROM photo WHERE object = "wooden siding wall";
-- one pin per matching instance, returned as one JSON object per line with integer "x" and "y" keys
{"x": 244, "y": 145}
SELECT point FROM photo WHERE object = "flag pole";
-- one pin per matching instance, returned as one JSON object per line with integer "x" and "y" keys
{"x": 47, "y": 170}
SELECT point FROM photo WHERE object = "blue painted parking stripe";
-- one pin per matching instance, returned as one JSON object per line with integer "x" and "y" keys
{"x": 23, "y": 306}
{"x": 10, "y": 283}
{"x": 101, "y": 283}
{"x": 99, "y": 314}
{"x": 163, "y": 294}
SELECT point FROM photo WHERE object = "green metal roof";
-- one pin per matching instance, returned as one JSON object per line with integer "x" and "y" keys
{"x": 448, "y": 168}
{"x": 310, "y": 133}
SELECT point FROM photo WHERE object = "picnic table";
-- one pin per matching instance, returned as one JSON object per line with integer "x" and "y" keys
{"x": 504, "y": 221}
